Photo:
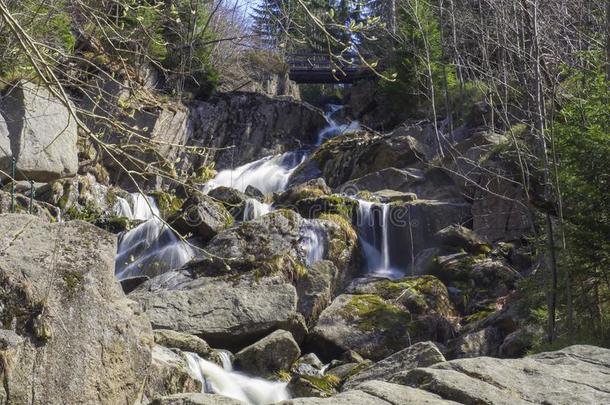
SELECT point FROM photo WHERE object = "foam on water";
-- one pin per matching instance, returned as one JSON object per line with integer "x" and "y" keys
{"x": 217, "y": 380}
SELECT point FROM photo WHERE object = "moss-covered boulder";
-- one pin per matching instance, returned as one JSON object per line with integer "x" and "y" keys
{"x": 356, "y": 154}
{"x": 314, "y": 207}
{"x": 269, "y": 244}
{"x": 279, "y": 243}
{"x": 379, "y": 317}
{"x": 233, "y": 200}
{"x": 310, "y": 189}
{"x": 475, "y": 280}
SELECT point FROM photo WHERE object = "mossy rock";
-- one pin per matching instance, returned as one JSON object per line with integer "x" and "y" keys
{"x": 379, "y": 317}
{"x": 330, "y": 204}
{"x": 168, "y": 203}
{"x": 311, "y": 189}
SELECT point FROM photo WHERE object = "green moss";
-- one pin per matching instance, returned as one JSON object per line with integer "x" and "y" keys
{"x": 87, "y": 213}
{"x": 288, "y": 214}
{"x": 328, "y": 383}
{"x": 371, "y": 313}
{"x": 283, "y": 375}
{"x": 168, "y": 204}
{"x": 344, "y": 224}
{"x": 281, "y": 264}
{"x": 74, "y": 282}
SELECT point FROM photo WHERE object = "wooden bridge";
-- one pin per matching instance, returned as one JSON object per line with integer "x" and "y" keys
{"x": 318, "y": 68}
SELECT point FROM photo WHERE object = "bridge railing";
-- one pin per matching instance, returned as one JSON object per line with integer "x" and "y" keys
{"x": 320, "y": 61}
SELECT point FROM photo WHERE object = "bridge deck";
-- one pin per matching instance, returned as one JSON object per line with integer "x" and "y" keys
{"x": 317, "y": 68}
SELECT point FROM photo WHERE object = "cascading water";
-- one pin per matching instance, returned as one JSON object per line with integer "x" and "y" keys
{"x": 374, "y": 224}
{"x": 152, "y": 247}
{"x": 334, "y": 129}
{"x": 312, "y": 242}
{"x": 269, "y": 174}
{"x": 254, "y": 209}
{"x": 228, "y": 383}
{"x": 272, "y": 173}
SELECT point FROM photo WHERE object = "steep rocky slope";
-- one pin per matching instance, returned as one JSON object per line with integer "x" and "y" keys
{"x": 365, "y": 262}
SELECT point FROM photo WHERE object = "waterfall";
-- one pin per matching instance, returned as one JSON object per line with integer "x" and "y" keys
{"x": 334, "y": 129}
{"x": 151, "y": 248}
{"x": 269, "y": 174}
{"x": 254, "y": 209}
{"x": 374, "y": 225}
{"x": 272, "y": 173}
{"x": 253, "y": 391}
{"x": 312, "y": 242}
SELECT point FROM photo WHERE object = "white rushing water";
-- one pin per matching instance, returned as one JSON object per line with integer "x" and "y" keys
{"x": 223, "y": 381}
{"x": 272, "y": 173}
{"x": 151, "y": 248}
{"x": 374, "y": 224}
{"x": 269, "y": 174}
{"x": 313, "y": 242}
{"x": 254, "y": 209}
{"x": 334, "y": 129}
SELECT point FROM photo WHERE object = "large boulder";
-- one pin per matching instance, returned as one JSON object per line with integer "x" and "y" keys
{"x": 423, "y": 354}
{"x": 484, "y": 342}
{"x": 154, "y": 135}
{"x": 377, "y": 318}
{"x": 244, "y": 127}
{"x": 574, "y": 375}
{"x": 275, "y": 352}
{"x": 169, "y": 374}
{"x": 70, "y": 334}
{"x": 255, "y": 244}
{"x": 38, "y": 130}
{"x": 316, "y": 288}
{"x": 202, "y": 216}
{"x": 476, "y": 279}
{"x": 226, "y": 314}
{"x": 354, "y": 155}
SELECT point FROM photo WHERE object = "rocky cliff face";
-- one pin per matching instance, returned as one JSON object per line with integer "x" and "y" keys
{"x": 245, "y": 127}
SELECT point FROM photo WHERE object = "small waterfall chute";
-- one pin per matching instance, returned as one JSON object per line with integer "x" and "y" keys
{"x": 151, "y": 248}
{"x": 254, "y": 209}
{"x": 335, "y": 129}
{"x": 217, "y": 380}
{"x": 312, "y": 242}
{"x": 374, "y": 229}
